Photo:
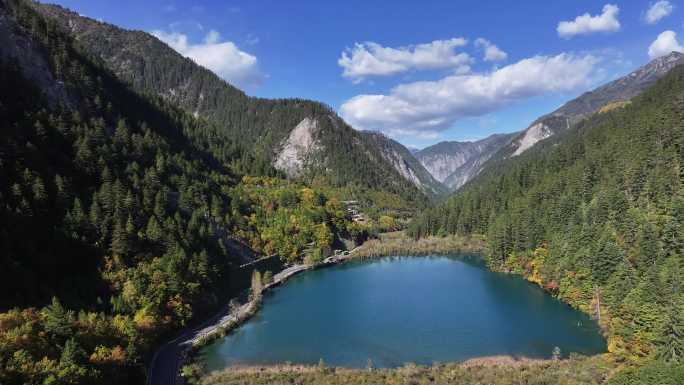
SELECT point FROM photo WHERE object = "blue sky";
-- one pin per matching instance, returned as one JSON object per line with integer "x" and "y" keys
{"x": 421, "y": 72}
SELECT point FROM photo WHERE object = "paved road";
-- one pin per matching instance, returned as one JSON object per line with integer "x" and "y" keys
{"x": 167, "y": 361}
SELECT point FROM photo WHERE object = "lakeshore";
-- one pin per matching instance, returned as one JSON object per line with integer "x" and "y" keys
{"x": 389, "y": 244}
{"x": 397, "y": 243}
{"x": 398, "y": 310}
{"x": 169, "y": 360}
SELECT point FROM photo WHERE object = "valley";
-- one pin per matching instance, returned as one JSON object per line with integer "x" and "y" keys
{"x": 160, "y": 225}
{"x": 356, "y": 313}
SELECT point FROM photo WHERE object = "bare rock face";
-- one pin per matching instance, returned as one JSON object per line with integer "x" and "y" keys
{"x": 455, "y": 163}
{"x": 298, "y": 148}
{"x": 442, "y": 159}
{"x": 15, "y": 46}
{"x": 532, "y": 135}
{"x": 402, "y": 167}
{"x": 406, "y": 164}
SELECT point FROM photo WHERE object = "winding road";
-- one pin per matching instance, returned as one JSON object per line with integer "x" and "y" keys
{"x": 168, "y": 359}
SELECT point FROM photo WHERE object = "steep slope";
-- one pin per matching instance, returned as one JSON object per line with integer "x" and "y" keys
{"x": 406, "y": 164}
{"x": 261, "y": 128}
{"x": 120, "y": 214}
{"x": 595, "y": 215}
{"x": 455, "y": 163}
{"x": 28, "y": 55}
{"x": 443, "y": 158}
{"x": 620, "y": 90}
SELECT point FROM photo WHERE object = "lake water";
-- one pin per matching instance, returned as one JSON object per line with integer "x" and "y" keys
{"x": 409, "y": 309}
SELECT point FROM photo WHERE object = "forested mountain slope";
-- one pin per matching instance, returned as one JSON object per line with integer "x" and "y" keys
{"x": 594, "y": 215}
{"x": 301, "y": 138}
{"x": 121, "y": 214}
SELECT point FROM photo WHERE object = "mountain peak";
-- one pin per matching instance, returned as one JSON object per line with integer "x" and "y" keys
{"x": 619, "y": 90}
{"x": 661, "y": 65}
{"x": 454, "y": 163}
{"x": 674, "y": 55}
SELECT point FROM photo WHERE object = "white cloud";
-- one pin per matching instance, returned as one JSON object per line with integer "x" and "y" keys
{"x": 664, "y": 44}
{"x": 657, "y": 11}
{"x": 491, "y": 52}
{"x": 428, "y": 107}
{"x": 371, "y": 59}
{"x": 586, "y": 24}
{"x": 223, "y": 58}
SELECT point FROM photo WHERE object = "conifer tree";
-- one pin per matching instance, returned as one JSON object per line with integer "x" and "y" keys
{"x": 672, "y": 337}
{"x": 57, "y": 319}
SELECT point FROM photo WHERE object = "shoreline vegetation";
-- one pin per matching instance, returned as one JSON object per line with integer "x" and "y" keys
{"x": 387, "y": 244}
{"x": 397, "y": 243}
{"x": 506, "y": 370}
{"x": 490, "y": 370}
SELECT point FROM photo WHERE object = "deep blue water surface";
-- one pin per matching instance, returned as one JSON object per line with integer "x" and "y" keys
{"x": 399, "y": 310}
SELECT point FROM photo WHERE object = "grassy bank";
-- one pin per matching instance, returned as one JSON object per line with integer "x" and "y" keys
{"x": 397, "y": 243}
{"x": 498, "y": 371}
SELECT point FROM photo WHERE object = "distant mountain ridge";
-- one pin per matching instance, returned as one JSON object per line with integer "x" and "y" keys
{"x": 407, "y": 164}
{"x": 301, "y": 138}
{"x": 620, "y": 90}
{"x": 455, "y": 163}
{"x": 306, "y": 139}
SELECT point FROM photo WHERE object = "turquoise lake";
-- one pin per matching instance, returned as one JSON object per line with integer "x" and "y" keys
{"x": 405, "y": 309}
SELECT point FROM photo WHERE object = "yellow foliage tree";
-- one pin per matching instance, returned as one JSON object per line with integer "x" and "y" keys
{"x": 144, "y": 319}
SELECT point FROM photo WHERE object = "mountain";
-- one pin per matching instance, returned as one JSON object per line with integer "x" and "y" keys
{"x": 124, "y": 216}
{"x": 607, "y": 96}
{"x": 301, "y": 138}
{"x": 594, "y": 215}
{"x": 455, "y": 163}
{"x": 406, "y": 164}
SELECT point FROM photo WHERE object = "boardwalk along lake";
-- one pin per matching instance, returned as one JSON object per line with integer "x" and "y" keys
{"x": 404, "y": 309}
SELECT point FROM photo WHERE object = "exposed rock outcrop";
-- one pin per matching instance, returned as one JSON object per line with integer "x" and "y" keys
{"x": 455, "y": 163}
{"x": 406, "y": 164}
{"x": 15, "y": 46}
{"x": 298, "y": 148}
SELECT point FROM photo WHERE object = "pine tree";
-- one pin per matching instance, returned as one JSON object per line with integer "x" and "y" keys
{"x": 63, "y": 191}
{"x": 607, "y": 256}
{"x": 673, "y": 237}
{"x": 153, "y": 230}
{"x": 38, "y": 188}
{"x": 120, "y": 240}
{"x": 648, "y": 246}
{"x": 160, "y": 205}
{"x": 130, "y": 226}
{"x": 57, "y": 320}
{"x": 672, "y": 337}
